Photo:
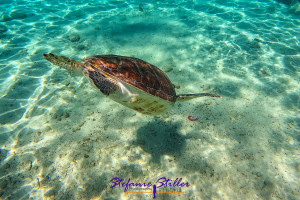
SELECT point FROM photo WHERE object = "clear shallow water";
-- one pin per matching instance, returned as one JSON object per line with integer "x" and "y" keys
{"x": 61, "y": 138}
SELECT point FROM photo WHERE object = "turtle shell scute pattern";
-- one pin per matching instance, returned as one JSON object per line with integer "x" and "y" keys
{"x": 135, "y": 72}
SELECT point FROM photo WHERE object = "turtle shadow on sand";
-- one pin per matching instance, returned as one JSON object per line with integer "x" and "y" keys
{"x": 160, "y": 138}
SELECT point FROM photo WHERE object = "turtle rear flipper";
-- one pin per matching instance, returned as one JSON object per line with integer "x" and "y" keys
{"x": 186, "y": 97}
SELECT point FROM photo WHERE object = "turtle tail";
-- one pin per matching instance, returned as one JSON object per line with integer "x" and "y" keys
{"x": 186, "y": 97}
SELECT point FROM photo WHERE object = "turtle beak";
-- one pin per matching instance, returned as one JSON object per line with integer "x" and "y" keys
{"x": 54, "y": 59}
{"x": 48, "y": 56}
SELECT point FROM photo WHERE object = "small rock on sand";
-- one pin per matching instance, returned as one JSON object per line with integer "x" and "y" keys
{"x": 74, "y": 37}
{"x": 3, "y": 28}
{"x": 17, "y": 15}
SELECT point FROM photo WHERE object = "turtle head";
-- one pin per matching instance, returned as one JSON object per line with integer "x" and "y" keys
{"x": 58, "y": 60}
{"x": 64, "y": 62}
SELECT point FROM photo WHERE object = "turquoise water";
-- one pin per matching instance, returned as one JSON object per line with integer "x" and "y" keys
{"x": 62, "y": 139}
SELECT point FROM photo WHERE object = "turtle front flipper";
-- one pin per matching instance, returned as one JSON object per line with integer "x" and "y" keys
{"x": 186, "y": 97}
{"x": 69, "y": 64}
{"x": 105, "y": 84}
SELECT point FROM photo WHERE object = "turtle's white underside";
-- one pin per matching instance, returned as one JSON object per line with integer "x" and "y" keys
{"x": 138, "y": 100}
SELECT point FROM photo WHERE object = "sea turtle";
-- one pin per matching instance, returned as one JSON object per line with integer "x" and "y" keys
{"x": 129, "y": 81}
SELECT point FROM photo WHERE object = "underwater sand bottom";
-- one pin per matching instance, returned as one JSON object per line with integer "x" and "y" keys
{"x": 237, "y": 149}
